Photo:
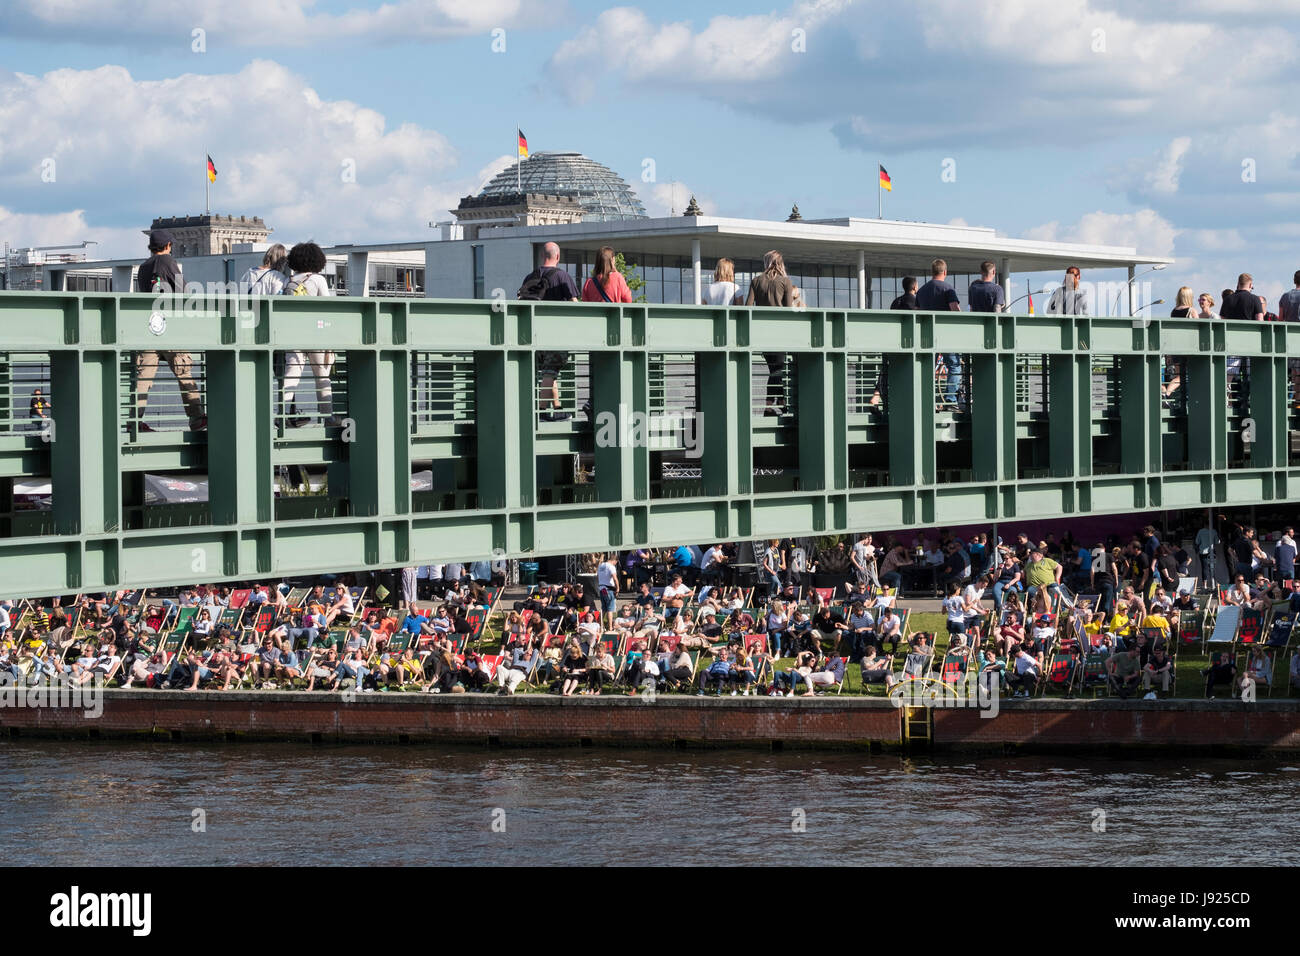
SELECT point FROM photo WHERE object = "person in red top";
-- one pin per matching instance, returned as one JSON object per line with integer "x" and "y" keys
{"x": 606, "y": 283}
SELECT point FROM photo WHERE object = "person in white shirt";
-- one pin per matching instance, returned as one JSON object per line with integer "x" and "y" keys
{"x": 270, "y": 278}
{"x": 607, "y": 587}
{"x": 722, "y": 291}
{"x": 307, "y": 261}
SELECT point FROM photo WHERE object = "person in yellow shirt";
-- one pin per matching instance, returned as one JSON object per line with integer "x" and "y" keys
{"x": 1119, "y": 622}
{"x": 1156, "y": 619}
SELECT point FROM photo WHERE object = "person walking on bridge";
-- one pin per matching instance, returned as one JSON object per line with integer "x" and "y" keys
{"x": 161, "y": 275}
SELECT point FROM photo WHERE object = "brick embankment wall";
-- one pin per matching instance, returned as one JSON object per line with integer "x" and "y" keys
{"x": 544, "y": 720}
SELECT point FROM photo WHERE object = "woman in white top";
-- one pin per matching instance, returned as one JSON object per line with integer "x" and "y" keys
{"x": 1206, "y": 302}
{"x": 722, "y": 291}
{"x": 306, "y": 262}
{"x": 270, "y": 279}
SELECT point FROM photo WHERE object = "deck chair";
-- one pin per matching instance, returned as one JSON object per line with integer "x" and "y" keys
{"x": 1216, "y": 658}
{"x": 1251, "y": 630}
{"x": 1267, "y": 670}
{"x": 265, "y": 618}
{"x": 1282, "y": 627}
{"x": 239, "y": 597}
{"x": 1225, "y": 627}
{"x": 185, "y": 620}
{"x": 1094, "y": 676}
{"x": 296, "y": 598}
{"x": 826, "y": 594}
{"x": 1190, "y": 627}
{"x": 1059, "y": 673}
{"x": 953, "y": 670}
{"x": 230, "y": 617}
{"x": 916, "y": 665}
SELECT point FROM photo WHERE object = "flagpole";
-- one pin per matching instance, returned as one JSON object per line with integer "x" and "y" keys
{"x": 207, "y": 182}
{"x": 878, "y": 194}
{"x": 519, "y": 164}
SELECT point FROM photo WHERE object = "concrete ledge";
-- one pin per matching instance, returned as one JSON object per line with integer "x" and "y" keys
{"x": 1107, "y": 725}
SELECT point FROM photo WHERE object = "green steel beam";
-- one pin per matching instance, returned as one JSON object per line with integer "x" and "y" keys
{"x": 494, "y": 506}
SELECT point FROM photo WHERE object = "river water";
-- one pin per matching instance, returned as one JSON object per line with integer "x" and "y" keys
{"x": 105, "y": 803}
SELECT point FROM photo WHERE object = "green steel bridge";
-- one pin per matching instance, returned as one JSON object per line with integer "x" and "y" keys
{"x": 704, "y": 423}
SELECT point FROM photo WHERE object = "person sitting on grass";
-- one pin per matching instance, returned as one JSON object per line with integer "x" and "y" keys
{"x": 1124, "y": 670}
{"x": 877, "y": 669}
{"x": 600, "y": 669}
{"x": 573, "y": 666}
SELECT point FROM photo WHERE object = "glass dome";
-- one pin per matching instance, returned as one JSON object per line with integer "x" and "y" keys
{"x": 601, "y": 192}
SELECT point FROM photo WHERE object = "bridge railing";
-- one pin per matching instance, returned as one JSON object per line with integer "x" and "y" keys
{"x": 433, "y": 446}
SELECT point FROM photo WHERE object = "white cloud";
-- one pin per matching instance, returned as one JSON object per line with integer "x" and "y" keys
{"x": 1146, "y": 230}
{"x": 262, "y": 22}
{"x": 728, "y": 50}
{"x": 130, "y": 150}
{"x": 25, "y": 230}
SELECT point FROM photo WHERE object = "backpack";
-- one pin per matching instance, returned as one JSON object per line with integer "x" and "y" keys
{"x": 535, "y": 286}
{"x": 294, "y": 287}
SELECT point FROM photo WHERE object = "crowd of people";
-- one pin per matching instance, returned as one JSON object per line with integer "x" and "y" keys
{"x": 694, "y": 618}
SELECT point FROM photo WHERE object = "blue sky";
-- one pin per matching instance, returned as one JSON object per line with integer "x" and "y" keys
{"x": 1078, "y": 120}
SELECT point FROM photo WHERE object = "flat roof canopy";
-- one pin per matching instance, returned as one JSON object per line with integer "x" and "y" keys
{"x": 902, "y": 245}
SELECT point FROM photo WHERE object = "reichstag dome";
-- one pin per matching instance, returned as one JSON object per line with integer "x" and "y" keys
{"x": 601, "y": 192}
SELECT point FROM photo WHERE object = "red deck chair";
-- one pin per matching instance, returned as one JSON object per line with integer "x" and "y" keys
{"x": 755, "y": 644}
{"x": 239, "y": 598}
{"x": 826, "y": 594}
{"x": 667, "y": 642}
{"x": 1252, "y": 626}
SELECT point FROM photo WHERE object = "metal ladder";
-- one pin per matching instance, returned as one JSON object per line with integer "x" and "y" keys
{"x": 918, "y": 727}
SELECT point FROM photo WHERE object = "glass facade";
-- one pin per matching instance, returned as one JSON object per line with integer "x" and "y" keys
{"x": 671, "y": 279}
{"x": 601, "y": 192}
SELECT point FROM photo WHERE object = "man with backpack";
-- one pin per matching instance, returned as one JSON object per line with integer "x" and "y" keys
{"x": 161, "y": 275}
{"x": 549, "y": 283}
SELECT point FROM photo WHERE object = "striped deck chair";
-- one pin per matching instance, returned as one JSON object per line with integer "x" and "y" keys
{"x": 240, "y": 597}
{"x": 1251, "y": 630}
{"x": 1225, "y": 627}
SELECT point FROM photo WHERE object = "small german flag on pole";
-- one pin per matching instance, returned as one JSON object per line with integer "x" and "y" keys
{"x": 523, "y": 144}
{"x": 212, "y": 171}
{"x": 885, "y": 183}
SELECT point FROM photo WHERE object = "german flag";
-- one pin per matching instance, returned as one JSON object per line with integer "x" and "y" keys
{"x": 523, "y": 144}
{"x": 212, "y": 171}
{"x": 885, "y": 183}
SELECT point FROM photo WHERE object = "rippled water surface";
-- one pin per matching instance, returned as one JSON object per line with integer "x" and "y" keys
{"x": 108, "y": 803}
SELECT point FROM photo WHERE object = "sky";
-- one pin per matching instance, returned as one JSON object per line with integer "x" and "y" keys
{"x": 1172, "y": 127}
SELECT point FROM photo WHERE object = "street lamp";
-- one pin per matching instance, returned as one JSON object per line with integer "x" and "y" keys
{"x": 1115, "y": 306}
